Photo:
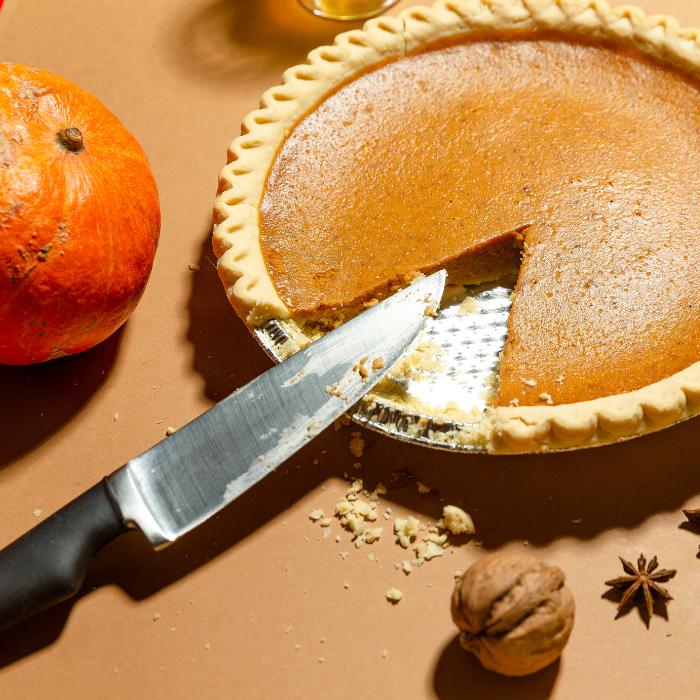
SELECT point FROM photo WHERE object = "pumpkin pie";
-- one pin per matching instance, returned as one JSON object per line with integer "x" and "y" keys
{"x": 483, "y": 136}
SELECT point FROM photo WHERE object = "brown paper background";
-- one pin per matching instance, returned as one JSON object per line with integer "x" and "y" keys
{"x": 181, "y": 75}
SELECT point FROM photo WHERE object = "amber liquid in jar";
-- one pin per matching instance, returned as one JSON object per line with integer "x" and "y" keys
{"x": 347, "y": 9}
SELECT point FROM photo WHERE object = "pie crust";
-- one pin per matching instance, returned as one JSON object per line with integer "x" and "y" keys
{"x": 242, "y": 181}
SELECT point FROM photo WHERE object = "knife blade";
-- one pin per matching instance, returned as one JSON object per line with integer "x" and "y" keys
{"x": 188, "y": 477}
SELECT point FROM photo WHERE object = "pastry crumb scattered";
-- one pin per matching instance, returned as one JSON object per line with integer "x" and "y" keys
{"x": 422, "y": 488}
{"x": 313, "y": 429}
{"x": 428, "y": 550}
{"x": 37, "y": 513}
{"x": 469, "y": 306}
{"x": 373, "y": 534}
{"x": 357, "y": 444}
{"x": 393, "y": 595}
{"x": 194, "y": 267}
{"x": 406, "y": 530}
{"x": 169, "y": 430}
{"x": 378, "y": 363}
{"x": 457, "y": 521}
{"x": 317, "y": 514}
{"x": 529, "y": 382}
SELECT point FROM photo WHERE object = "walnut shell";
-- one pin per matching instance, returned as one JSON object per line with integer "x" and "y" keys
{"x": 514, "y": 612}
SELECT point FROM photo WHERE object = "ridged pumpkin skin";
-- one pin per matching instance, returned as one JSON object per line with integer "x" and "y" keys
{"x": 78, "y": 228}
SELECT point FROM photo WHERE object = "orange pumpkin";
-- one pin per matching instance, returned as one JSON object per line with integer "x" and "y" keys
{"x": 79, "y": 218}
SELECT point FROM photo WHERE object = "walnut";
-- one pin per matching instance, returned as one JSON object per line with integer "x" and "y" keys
{"x": 514, "y": 612}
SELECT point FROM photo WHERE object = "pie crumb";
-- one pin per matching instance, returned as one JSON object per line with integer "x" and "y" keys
{"x": 194, "y": 267}
{"x": 422, "y": 488}
{"x": 406, "y": 530}
{"x": 169, "y": 430}
{"x": 469, "y": 306}
{"x": 357, "y": 445}
{"x": 393, "y": 595}
{"x": 406, "y": 566}
{"x": 428, "y": 550}
{"x": 529, "y": 382}
{"x": 37, "y": 513}
{"x": 373, "y": 534}
{"x": 457, "y": 521}
{"x": 317, "y": 515}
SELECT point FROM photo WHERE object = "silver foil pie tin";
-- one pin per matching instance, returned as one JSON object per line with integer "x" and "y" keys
{"x": 470, "y": 343}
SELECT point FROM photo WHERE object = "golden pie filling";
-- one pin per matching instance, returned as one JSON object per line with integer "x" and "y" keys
{"x": 577, "y": 159}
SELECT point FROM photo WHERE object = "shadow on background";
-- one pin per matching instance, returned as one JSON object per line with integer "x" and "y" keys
{"x": 39, "y": 399}
{"x": 460, "y": 676}
{"x": 616, "y": 486}
{"x": 131, "y": 563}
{"x": 239, "y": 40}
{"x": 225, "y": 352}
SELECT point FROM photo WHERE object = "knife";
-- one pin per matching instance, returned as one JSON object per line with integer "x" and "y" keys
{"x": 189, "y": 476}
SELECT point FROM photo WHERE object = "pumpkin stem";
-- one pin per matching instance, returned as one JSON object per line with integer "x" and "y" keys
{"x": 71, "y": 139}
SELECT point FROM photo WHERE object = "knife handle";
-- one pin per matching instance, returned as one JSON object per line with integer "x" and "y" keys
{"x": 48, "y": 564}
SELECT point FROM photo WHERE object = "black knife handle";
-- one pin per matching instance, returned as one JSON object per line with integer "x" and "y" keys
{"x": 48, "y": 564}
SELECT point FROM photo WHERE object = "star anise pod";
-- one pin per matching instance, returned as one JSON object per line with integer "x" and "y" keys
{"x": 645, "y": 578}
